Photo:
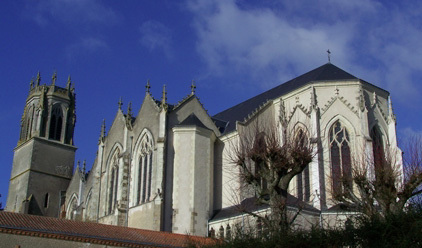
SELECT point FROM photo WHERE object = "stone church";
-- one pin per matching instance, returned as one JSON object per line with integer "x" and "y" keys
{"x": 167, "y": 167}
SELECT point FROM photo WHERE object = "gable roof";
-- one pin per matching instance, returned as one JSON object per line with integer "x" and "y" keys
{"x": 48, "y": 227}
{"x": 327, "y": 72}
{"x": 192, "y": 120}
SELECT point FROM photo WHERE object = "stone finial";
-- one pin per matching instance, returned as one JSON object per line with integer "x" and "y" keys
{"x": 148, "y": 87}
{"x": 390, "y": 109}
{"x": 31, "y": 84}
{"x": 38, "y": 80}
{"x": 69, "y": 83}
{"x": 164, "y": 96}
{"x": 84, "y": 167}
{"x": 336, "y": 91}
{"x": 374, "y": 98}
{"x": 129, "y": 110}
{"x": 103, "y": 128}
{"x": 361, "y": 100}
{"x": 129, "y": 116}
{"x": 54, "y": 78}
{"x": 103, "y": 132}
{"x": 193, "y": 87}
{"x": 78, "y": 165}
{"x": 282, "y": 112}
{"x": 120, "y": 103}
{"x": 313, "y": 98}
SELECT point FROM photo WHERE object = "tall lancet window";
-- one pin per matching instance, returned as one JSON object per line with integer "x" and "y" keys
{"x": 113, "y": 182}
{"x": 144, "y": 170}
{"x": 56, "y": 123}
{"x": 378, "y": 150}
{"x": 303, "y": 179}
{"x": 341, "y": 170}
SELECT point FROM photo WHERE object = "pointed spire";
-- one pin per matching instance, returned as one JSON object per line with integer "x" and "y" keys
{"x": 192, "y": 87}
{"x": 361, "y": 99}
{"x": 390, "y": 109}
{"x": 103, "y": 132}
{"x": 54, "y": 78}
{"x": 129, "y": 110}
{"x": 164, "y": 97}
{"x": 78, "y": 165}
{"x": 336, "y": 91}
{"x": 282, "y": 113}
{"x": 313, "y": 98}
{"x": 374, "y": 98}
{"x": 147, "y": 87}
{"x": 103, "y": 128}
{"x": 69, "y": 83}
{"x": 120, "y": 103}
{"x": 84, "y": 167}
{"x": 129, "y": 116}
{"x": 38, "y": 80}
{"x": 31, "y": 84}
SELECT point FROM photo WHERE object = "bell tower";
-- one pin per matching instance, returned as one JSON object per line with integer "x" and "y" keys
{"x": 44, "y": 156}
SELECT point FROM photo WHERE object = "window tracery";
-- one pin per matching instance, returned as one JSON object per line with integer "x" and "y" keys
{"x": 144, "y": 169}
{"x": 341, "y": 170}
{"x": 113, "y": 182}
{"x": 303, "y": 178}
{"x": 378, "y": 149}
{"x": 56, "y": 123}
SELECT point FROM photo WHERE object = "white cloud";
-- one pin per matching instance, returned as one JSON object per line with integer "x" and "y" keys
{"x": 155, "y": 35}
{"x": 258, "y": 40}
{"x": 377, "y": 41}
{"x": 409, "y": 132}
{"x": 87, "y": 45}
{"x": 69, "y": 11}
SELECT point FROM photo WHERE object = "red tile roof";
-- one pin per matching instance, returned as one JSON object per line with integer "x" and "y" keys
{"x": 23, "y": 224}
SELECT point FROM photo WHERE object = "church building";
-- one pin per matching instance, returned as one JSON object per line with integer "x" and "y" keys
{"x": 168, "y": 167}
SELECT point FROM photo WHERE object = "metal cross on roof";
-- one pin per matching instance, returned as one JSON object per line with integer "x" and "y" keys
{"x": 120, "y": 103}
{"x": 193, "y": 87}
{"x": 329, "y": 56}
{"x": 148, "y": 86}
{"x": 54, "y": 78}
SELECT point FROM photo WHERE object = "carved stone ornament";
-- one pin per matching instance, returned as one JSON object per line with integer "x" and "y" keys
{"x": 63, "y": 170}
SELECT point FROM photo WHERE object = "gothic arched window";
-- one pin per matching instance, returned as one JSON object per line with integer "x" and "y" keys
{"x": 303, "y": 178}
{"x": 88, "y": 206}
{"x": 378, "y": 149}
{"x": 228, "y": 232}
{"x": 56, "y": 123}
{"x": 27, "y": 123}
{"x": 71, "y": 207}
{"x": 341, "y": 170}
{"x": 144, "y": 170}
{"x": 113, "y": 182}
{"x": 221, "y": 232}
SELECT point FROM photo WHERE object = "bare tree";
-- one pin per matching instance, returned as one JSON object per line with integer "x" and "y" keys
{"x": 268, "y": 161}
{"x": 385, "y": 181}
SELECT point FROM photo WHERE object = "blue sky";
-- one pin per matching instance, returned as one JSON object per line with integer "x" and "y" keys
{"x": 232, "y": 49}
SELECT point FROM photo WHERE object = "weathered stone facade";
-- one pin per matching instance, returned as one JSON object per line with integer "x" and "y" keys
{"x": 44, "y": 157}
{"x": 168, "y": 167}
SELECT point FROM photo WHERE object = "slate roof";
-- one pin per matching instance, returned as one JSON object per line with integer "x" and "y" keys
{"x": 251, "y": 205}
{"x": 192, "y": 120}
{"x": 48, "y": 227}
{"x": 327, "y": 72}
